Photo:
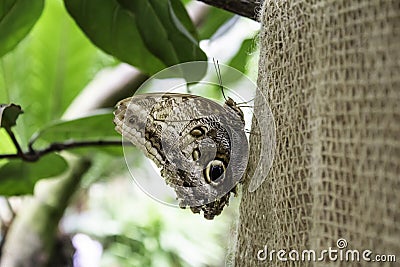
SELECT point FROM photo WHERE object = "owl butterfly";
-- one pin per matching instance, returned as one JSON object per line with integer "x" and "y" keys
{"x": 200, "y": 146}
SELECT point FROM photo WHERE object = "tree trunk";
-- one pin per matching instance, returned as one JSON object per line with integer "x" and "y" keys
{"x": 330, "y": 71}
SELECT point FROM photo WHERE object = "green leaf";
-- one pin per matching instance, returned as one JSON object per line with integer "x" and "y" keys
{"x": 162, "y": 31}
{"x": 18, "y": 177}
{"x": 17, "y": 18}
{"x": 183, "y": 17}
{"x": 113, "y": 30}
{"x": 94, "y": 127}
{"x": 241, "y": 57}
{"x": 156, "y": 35}
{"x": 6, "y": 144}
{"x": 214, "y": 20}
{"x": 48, "y": 69}
{"x": 9, "y": 114}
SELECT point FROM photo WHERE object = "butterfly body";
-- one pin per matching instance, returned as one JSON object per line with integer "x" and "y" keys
{"x": 200, "y": 146}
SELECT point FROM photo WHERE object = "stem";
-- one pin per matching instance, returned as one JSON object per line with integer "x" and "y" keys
{"x": 15, "y": 141}
{"x": 34, "y": 155}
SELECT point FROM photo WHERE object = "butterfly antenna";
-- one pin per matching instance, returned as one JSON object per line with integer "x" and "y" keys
{"x": 218, "y": 71}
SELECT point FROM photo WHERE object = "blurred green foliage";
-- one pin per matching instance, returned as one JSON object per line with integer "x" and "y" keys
{"x": 50, "y": 50}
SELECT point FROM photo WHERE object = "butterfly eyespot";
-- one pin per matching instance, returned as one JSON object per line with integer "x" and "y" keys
{"x": 215, "y": 169}
{"x": 198, "y": 132}
{"x": 200, "y": 146}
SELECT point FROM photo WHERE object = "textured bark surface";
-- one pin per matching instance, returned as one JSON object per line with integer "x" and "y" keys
{"x": 330, "y": 72}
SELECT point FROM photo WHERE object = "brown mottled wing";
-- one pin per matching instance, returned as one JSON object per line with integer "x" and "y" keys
{"x": 163, "y": 127}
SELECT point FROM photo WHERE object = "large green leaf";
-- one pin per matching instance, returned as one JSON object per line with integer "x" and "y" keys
{"x": 183, "y": 17}
{"x": 162, "y": 31}
{"x": 147, "y": 34}
{"x": 113, "y": 30}
{"x": 242, "y": 55}
{"x": 92, "y": 127}
{"x": 48, "y": 69}
{"x": 213, "y": 21}
{"x": 6, "y": 145}
{"x": 18, "y": 177}
{"x": 17, "y": 18}
{"x": 95, "y": 127}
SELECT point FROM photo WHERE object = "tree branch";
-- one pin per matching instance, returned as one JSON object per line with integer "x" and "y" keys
{"x": 245, "y": 8}
{"x": 34, "y": 155}
{"x": 15, "y": 141}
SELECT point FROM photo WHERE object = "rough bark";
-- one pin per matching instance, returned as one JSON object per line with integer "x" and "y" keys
{"x": 329, "y": 70}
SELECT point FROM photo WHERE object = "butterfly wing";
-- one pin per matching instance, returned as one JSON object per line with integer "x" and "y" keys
{"x": 199, "y": 145}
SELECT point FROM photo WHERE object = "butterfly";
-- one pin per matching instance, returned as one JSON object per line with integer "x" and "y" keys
{"x": 199, "y": 145}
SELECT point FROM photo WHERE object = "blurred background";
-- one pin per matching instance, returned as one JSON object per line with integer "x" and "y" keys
{"x": 67, "y": 87}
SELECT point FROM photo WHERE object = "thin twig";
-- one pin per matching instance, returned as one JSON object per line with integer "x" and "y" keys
{"x": 34, "y": 155}
{"x": 245, "y": 8}
{"x": 15, "y": 141}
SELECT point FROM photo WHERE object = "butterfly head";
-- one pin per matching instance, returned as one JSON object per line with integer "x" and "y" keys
{"x": 229, "y": 103}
